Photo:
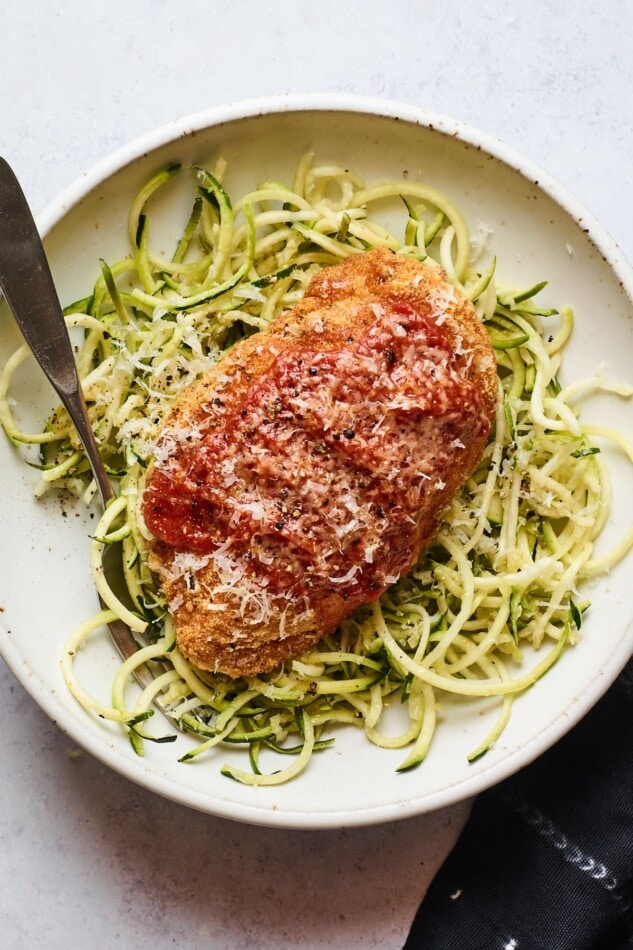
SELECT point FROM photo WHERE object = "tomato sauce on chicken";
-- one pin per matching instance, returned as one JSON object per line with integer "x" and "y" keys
{"x": 305, "y": 472}
{"x": 314, "y": 476}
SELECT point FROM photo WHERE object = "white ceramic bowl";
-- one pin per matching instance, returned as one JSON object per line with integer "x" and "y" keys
{"x": 539, "y": 232}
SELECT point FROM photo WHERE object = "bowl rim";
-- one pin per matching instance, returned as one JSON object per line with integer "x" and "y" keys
{"x": 191, "y": 123}
{"x": 605, "y": 245}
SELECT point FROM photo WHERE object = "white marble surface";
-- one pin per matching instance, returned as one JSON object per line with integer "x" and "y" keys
{"x": 85, "y": 857}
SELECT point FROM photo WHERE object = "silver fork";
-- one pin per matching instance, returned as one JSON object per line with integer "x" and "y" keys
{"x": 27, "y": 284}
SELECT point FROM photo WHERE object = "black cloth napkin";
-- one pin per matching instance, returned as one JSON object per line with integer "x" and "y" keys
{"x": 545, "y": 861}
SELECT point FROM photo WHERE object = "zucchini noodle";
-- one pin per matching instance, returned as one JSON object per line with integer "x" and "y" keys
{"x": 498, "y": 583}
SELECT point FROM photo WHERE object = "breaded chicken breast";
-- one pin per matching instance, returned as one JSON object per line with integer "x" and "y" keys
{"x": 307, "y": 471}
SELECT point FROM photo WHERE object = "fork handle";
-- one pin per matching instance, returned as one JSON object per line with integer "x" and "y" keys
{"x": 25, "y": 279}
{"x": 27, "y": 284}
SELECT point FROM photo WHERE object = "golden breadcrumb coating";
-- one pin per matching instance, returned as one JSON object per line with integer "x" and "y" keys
{"x": 258, "y": 618}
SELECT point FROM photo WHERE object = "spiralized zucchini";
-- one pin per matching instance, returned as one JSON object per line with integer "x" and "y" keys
{"x": 501, "y": 576}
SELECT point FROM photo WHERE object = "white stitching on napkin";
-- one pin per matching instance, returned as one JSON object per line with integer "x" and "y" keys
{"x": 570, "y": 852}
